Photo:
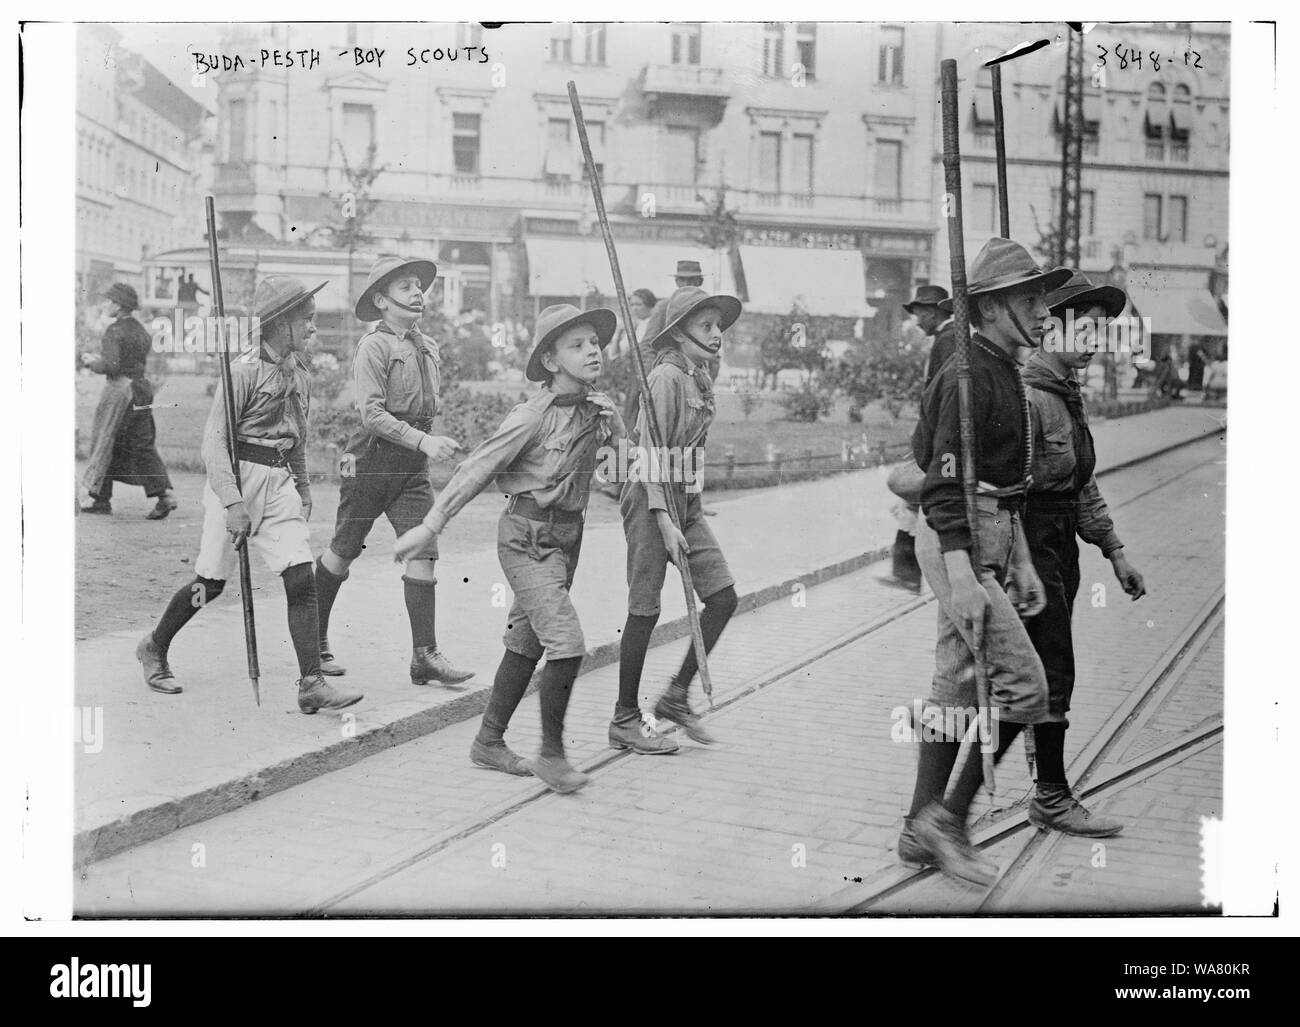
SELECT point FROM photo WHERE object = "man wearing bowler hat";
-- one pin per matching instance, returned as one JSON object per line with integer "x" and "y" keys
{"x": 268, "y": 509}
{"x": 937, "y": 326}
{"x": 122, "y": 440}
{"x": 1064, "y": 504}
{"x": 386, "y": 465}
{"x": 542, "y": 456}
{"x": 980, "y": 603}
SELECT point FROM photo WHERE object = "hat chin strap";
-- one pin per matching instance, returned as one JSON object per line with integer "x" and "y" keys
{"x": 711, "y": 350}
{"x": 1028, "y": 339}
{"x": 403, "y": 306}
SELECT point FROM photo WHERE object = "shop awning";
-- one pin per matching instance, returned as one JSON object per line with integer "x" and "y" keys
{"x": 823, "y": 281}
{"x": 573, "y": 267}
{"x": 1178, "y": 311}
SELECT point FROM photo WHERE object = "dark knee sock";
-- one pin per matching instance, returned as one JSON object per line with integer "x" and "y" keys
{"x": 555, "y": 688}
{"x": 934, "y": 765}
{"x": 1050, "y": 742}
{"x": 632, "y": 650}
{"x": 718, "y": 609}
{"x": 508, "y": 687}
{"x": 972, "y": 774}
{"x": 420, "y": 609}
{"x": 188, "y": 600}
{"x": 327, "y": 590}
{"x": 300, "y": 590}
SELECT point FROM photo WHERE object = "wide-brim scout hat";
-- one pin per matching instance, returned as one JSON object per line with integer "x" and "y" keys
{"x": 926, "y": 296}
{"x": 1002, "y": 264}
{"x": 1079, "y": 294}
{"x": 123, "y": 295}
{"x": 685, "y": 302}
{"x": 384, "y": 270}
{"x": 554, "y": 320}
{"x": 274, "y": 297}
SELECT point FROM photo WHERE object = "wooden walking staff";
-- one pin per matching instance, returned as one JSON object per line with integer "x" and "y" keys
{"x": 652, "y": 419}
{"x": 1004, "y": 217}
{"x": 961, "y": 328}
{"x": 227, "y": 392}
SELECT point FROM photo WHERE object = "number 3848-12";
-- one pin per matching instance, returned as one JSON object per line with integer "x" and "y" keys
{"x": 1125, "y": 57}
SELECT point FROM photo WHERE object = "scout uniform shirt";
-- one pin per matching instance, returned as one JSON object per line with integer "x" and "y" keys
{"x": 1000, "y": 413}
{"x": 682, "y": 399}
{"x": 270, "y": 400}
{"x": 397, "y": 380}
{"x": 545, "y": 447}
{"x": 1064, "y": 457}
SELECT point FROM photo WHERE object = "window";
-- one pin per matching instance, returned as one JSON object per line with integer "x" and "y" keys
{"x": 889, "y": 169}
{"x": 1180, "y": 124}
{"x": 805, "y": 45}
{"x": 590, "y": 48}
{"x": 769, "y": 162}
{"x": 465, "y": 143}
{"x": 238, "y": 122}
{"x": 774, "y": 49}
{"x": 1155, "y": 122}
{"x": 358, "y": 132}
{"x": 1177, "y": 224}
{"x": 801, "y": 164}
{"x": 596, "y": 140}
{"x": 890, "y": 69}
{"x": 681, "y": 155}
{"x": 984, "y": 209}
{"x": 1151, "y": 210}
{"x": 686, "y": 44}
{"x": 1087, "y": 210}
{"x": 562, "y": 42}
{"x": 559, "y": 148}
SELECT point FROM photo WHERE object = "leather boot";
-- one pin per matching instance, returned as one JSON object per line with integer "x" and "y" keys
{"x": 315, "y": 694}
{"x": 328, "y": 665}
{"x": 165, "y": 505}
{"x": 675, "y": 705}
{"x": 906, "y": 571}
{"x": 558, "y": 774}
{"x": 912, "y": 853}
{"x": 1054, "y": 808}
{"x": 498, "y": 757}
{"x": 157, "y": 675}
{"x": 942, "y": 833}
{"x": 98, "y": 506}
{"x": 428, "y": 664}
{"x": 629, "y": 730}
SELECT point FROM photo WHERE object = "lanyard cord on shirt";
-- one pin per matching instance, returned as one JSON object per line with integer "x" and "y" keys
{"x": 1026, "y": 415}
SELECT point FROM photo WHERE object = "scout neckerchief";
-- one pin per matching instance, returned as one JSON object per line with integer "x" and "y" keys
{"x": 579, "y": 461}
{"x": 413, "y": 335}
{"x": 1040, "y": 376}
{"x": 700, "y": 374}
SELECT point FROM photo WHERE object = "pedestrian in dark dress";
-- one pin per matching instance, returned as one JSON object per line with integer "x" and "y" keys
{"x": 123, "y": 433}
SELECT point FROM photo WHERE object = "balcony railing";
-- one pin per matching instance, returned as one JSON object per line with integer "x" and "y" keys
{"x": 685, "y": 80}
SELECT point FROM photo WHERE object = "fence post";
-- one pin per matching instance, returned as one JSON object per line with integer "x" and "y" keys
{"x": 731, "y": 461}
{"x": 880, "y": 452}
{"x": 807, "y": 458}
{"x": 844, "y": 452}
{"x": 776, "y": 461}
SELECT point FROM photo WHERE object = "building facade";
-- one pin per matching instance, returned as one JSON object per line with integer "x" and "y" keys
{"x": 141, "y": 164}
{"x": 792, "y": 160}
{"x": 1154, "y": 183}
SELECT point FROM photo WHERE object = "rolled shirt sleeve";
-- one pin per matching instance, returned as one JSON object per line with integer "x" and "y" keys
{"x": 370, "y": 375}
{"x": 492, "y": 456}
{"x": 1095, "y": 525}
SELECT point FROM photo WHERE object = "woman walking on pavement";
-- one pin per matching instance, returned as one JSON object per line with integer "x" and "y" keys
{"x": 122, "y": 447}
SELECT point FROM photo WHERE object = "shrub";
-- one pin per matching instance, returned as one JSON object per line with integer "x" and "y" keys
{"x": 808, "y": 402}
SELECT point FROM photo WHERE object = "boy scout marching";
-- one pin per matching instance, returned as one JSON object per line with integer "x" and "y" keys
{"x": 270, "y": 396}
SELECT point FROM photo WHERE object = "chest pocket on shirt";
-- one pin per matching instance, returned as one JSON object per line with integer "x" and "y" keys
{"x": 1058, "y": 437}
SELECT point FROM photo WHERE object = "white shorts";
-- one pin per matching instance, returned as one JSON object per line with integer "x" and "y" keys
{"x": 279, "y": 532}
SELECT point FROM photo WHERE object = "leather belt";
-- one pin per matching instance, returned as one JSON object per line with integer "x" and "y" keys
{"x": 267, "y": 456}
{"x": 525, "y": 506}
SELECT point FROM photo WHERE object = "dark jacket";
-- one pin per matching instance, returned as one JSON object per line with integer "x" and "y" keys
{"x": 945, "y": 345}
{"x": 1000, "y": 414}
{"x": 1064, "y": 457}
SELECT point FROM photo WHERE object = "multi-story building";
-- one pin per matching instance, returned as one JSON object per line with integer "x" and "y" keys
{"x": 140, "y": 156}
{"x": 1154, "y": 182}
{"x": 816, "y": 137}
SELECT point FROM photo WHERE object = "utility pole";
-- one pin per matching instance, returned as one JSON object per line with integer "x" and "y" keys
{"x": 1067, "y": 227}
